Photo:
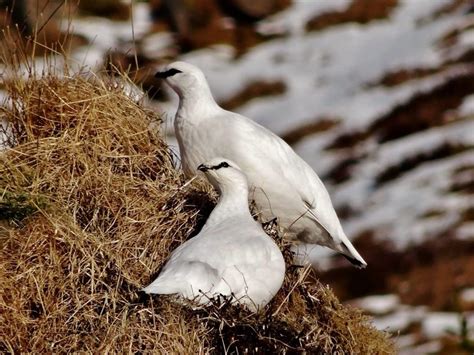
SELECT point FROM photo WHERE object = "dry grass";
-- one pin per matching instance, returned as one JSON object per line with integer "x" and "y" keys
{"x": 91, "y": 204}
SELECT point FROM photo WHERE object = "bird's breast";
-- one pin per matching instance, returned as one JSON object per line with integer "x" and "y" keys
{"x": 195, "y": 145}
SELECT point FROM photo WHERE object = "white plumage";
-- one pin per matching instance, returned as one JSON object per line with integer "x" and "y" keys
{"x": 282, "y": 184}
{"x": 231, "y": 256}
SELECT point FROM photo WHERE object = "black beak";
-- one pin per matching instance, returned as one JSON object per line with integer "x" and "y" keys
{"x": 203, "y": 168}
{"x": 167, "y": 73}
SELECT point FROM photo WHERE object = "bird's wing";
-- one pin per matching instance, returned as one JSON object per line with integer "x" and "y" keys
{"x": 248, "y": 264}
{"x": 211, "y": 262}
{"x": 236, "y": 241}
{"x": 188, "y": 278}
{"x": 278, "y": 165}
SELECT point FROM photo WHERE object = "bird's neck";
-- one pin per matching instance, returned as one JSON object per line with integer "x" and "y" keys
{"x": 197, "y": 102}
{"x": 233, "y": 203}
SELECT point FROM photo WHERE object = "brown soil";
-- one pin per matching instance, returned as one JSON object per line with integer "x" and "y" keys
{"x": 342, "y": 171}
{"x": 202, "y": 23}
{"x": 422, "y": 111}
{"x": 463, "y": 180}
{"x": 254, "y": 90}
{"x": 465, "y": 57}
{"x": 318, "y": 126}
{"x": 111, "y": 9}
{"x": 445, "y": 277}
{"x": 444, "y": 150}
{"x": 251, "y": 10}
{"x": 448, "y": 8}
{"x": 444, "y": 263}
{"x": 348, "y": 140}
{"x": 402, "y": 76}
{"x": 360, "y": 11}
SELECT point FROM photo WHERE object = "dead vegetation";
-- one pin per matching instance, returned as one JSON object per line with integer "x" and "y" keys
{"x": 91, "y": 204}
{"x": 35, "y": 26}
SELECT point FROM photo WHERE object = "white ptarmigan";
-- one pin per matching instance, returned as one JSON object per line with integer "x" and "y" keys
{"x": 282, "y": 184}
{"x": 231, "y": 256}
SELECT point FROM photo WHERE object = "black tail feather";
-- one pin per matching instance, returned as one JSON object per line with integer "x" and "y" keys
{"x": 355, "y": 262}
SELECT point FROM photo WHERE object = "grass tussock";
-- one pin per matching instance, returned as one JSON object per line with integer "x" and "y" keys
{"x": 102, "y": 205}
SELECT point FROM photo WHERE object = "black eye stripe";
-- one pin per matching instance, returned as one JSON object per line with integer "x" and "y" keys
{"x": 167, "y": 74}
{"x": 224, "y": 164}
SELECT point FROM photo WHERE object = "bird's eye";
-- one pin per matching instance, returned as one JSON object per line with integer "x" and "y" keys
{"x": 225, "y": 165}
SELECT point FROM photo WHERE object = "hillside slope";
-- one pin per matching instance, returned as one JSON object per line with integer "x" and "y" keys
{"x": 379, "y": 99}
{"x": 91, "y": 205}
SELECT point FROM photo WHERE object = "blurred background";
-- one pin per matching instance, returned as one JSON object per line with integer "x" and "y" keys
{"x": 376, "y": 95}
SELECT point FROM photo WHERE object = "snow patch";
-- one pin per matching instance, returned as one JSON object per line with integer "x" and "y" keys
{"x": 467, "y": 295}
{"x": 432, "y": 347}
{"x": 400, "y": 319}
{"x": 467, "y": 106}
{"x": 466, "y": 231}
{"x": 437, "y": 324}
{"x": 326, "y": 78}
{"x": 294, "y": 19}
{"x": 378, "y": 304}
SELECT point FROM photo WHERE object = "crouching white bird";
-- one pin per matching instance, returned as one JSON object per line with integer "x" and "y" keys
{"x": 282, "y": 184}
{"x": 231, "y": 256}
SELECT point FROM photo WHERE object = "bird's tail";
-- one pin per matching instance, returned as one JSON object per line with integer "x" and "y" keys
{"x": 351, "y": 254}
{"x": 160, "y": 287}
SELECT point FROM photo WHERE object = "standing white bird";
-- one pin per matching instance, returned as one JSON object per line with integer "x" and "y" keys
{"x": 282, "y": 184}
{"x": 231, "y": 256}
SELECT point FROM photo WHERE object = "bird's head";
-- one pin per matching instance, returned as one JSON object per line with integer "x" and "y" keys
{"x": 184, "y": 78}
{"x": 223, "y": 174}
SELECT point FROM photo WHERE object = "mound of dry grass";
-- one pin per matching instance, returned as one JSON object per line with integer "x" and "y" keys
{"x": 91, "y": 205}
